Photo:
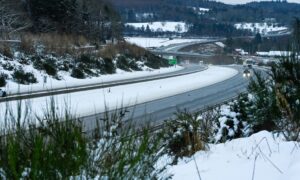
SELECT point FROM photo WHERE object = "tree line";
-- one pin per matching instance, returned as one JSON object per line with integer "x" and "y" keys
{"x": 91, "y": 18}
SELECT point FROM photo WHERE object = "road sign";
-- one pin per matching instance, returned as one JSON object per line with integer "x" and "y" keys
{"x": 172, "y": 61}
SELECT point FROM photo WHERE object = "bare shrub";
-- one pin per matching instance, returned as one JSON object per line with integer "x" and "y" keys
{"x": 27, "y": 44}
{"x": 6, "y": 50}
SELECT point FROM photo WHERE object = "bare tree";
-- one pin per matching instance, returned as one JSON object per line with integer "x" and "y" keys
{"x": 11, "y": 20}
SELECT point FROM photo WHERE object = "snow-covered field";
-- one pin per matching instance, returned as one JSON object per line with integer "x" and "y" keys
{"x": 261, "y": 156}
{"x": 158, "y": 42}
{"x": 262, "y": 28}
{"x": 89, "y": 102}
{"x": 274, "y": 53}
{"x": 179, "y": 27}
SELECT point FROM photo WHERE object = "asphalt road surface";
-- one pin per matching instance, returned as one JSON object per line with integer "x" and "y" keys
{"x": 155, "y": 112}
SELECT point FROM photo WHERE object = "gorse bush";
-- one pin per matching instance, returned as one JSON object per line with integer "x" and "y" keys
{"x": 22, "y": 77}
{"x": 77, "y": 73}
{"x": 264, "y": 110}
{"x": 108, "y": 66}
{"x": 286, "y": 77}
{"x": 187, "y": 134}
{"x": 275, "y": 99}
{"x": 50, "y": 68}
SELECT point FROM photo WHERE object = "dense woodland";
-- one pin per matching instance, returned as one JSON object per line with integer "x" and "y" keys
{"x": 92, "y": 18}
{"x": 218, "y": 21}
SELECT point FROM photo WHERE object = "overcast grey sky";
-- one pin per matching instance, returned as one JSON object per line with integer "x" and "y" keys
{"x": 246, "y": 1}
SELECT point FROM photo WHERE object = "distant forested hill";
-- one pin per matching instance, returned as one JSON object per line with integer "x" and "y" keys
{"x": 182, "y": 10}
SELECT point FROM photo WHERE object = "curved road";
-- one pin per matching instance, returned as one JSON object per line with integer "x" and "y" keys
{"x": 155, "y": 112}
{"x": 36, "y": 94}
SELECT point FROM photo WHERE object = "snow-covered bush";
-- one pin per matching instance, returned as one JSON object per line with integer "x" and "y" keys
{"x": 108, "y": 66}
{"x": 123, "y": 152}
{"x": 8, "y": 66}
{"x": 230, "y": 123}
{"x": 77, "y": 73}
{"x": 22, "y": 77}
{"x": 127, "y": 64}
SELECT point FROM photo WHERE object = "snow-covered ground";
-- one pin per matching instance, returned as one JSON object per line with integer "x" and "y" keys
{"x": 161, "y": 26}
{"x": 262, "y": 28}
{"x": 158, "y": 42}
{"x": 89, "y": 102}
{"x": 68, "y": 81}
{"x": 261, "y": 156}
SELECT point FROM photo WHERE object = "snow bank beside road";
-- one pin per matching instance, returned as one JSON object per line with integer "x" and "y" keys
{"x": 68, "y": 81}
{"x": 90, "y": 102}
{"x": 276, "y": 159}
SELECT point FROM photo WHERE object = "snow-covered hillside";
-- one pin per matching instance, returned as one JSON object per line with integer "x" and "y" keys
{"x": 64, "y": 78}
{"x": 263, "y": 28}
{"x": 274, "y": 53}
{"x": 178, "y": 27}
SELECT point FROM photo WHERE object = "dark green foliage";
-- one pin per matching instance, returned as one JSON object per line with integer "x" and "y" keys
{"x": 296, "y": 34}
{"x": 188, "y": 133}
{"x": 77, "y": 73}
{"x": 24, "y": 61}
{"x": 7, "y": 66}
{"x": 155, "y": 62}
{"x": 123, "y": 64}
{"x": 57, "y": 147}
{"x": 45, "y": 63}
{"x": 127, "y": 64}
{"x": 54, "y": 149}
{"x": 22, "y": 77}
{"x": 37, "y": 62}
{"x": 3, "y": 78}
{"x": 50, "y": 68}
{"x": 264, "y": 112}
{"x": 286, "y": 76}
{"x": 53, "y": 14}
{"x": 109, "y": 66}
{"x": 75, "y": 17}
{"x": 229, "y": 45}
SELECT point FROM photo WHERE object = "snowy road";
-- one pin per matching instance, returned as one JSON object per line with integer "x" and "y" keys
{"x": 160, "y": 97}
{"x": 202, "y": 95}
